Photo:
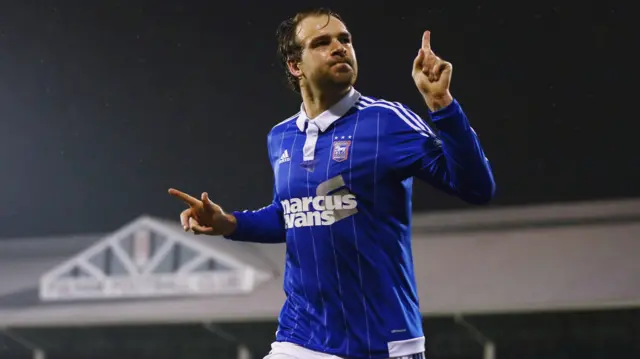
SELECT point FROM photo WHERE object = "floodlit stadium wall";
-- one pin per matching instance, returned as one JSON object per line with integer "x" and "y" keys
{"x": 536, "y": 281}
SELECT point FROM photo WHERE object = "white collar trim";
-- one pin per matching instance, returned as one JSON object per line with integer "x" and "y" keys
{"x": 325, "y": 119}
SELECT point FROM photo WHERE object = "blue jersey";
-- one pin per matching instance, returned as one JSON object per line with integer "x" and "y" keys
{"x": 342, "y": 204}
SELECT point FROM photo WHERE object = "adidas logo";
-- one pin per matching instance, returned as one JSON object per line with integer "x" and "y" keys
{"x": 285, "y": 157}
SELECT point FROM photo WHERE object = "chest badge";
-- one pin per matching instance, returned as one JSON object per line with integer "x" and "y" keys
{"x": 340, "y": 150}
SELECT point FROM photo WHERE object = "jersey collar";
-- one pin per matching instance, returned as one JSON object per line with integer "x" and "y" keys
{"x": 325, "y": 119}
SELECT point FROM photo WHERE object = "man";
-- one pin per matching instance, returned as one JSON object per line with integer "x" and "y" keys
{"x": 343, "y": 169}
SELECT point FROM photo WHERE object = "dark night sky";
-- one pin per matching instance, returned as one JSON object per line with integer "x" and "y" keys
{"x": 106, "y": 104}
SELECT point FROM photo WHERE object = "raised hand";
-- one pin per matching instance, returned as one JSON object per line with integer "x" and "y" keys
{"x": 203, "y": 216}
{"x": 432, "y": 75}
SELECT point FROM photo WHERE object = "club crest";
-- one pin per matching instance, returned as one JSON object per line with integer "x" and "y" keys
{"x": 340, "y": 150}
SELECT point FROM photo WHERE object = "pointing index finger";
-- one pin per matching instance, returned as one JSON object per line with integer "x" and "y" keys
{"x": 426, "y": 40}
{"x": 184, "y": 197}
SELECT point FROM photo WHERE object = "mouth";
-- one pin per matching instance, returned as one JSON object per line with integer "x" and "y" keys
{"x": 343, "y": 61}
{"x": 342, "y": 65}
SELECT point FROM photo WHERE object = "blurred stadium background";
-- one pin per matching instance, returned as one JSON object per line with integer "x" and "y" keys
{"x": 547, "y": 281}
{"x": 106, "y": 104}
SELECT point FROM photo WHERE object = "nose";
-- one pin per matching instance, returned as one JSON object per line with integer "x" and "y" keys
{"x": 339, "y": 49}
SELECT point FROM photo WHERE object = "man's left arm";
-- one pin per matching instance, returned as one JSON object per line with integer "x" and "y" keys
{"x": 460, "y": 166}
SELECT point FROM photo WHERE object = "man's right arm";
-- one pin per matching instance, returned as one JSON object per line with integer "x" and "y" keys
{"x": 265, "y": 225}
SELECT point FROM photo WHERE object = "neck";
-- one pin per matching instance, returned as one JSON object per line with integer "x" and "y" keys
{"x": 316, "y": 102}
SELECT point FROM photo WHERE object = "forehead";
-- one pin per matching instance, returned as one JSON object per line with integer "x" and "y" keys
{"x": 319, "y": 25}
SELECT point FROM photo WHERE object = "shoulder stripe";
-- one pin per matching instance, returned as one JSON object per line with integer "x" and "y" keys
{"x": 395, "y": 109}
{"x": 367, "y": 99}
{"x": 417, "y": 120}
{"x": 288, "y": 119}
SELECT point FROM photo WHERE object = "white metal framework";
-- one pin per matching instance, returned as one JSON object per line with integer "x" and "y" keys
{"x": 148, "y": 258}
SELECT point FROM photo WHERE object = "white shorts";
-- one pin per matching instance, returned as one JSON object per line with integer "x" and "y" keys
{"x": 283, "y": 350}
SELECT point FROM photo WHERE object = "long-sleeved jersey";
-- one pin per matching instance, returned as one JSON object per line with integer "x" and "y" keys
{"x": 342, "y": 204}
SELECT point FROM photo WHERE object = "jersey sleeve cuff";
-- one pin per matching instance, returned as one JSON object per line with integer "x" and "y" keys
{"x": 451, "y": 110}
{"x": 451, "y": 118}
{"x": 240, "y": 232}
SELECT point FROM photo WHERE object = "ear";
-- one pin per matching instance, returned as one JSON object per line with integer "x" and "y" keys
{"x": 294, "y": 68}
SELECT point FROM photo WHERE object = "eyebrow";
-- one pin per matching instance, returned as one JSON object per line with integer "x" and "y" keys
{"x": 324, "y": 36}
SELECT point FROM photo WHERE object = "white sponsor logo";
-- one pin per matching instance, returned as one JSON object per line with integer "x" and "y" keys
{"x": 316, "y": 211}
{"x": 323, "y": 209}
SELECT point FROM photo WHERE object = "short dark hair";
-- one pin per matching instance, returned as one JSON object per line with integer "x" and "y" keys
{"x": 288, "y": 46}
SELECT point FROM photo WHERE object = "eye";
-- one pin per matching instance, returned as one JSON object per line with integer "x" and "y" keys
{"x": 320, "y": 42}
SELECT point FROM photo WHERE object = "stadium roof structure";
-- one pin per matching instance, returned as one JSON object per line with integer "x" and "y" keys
{"x": 514, "y": 259}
